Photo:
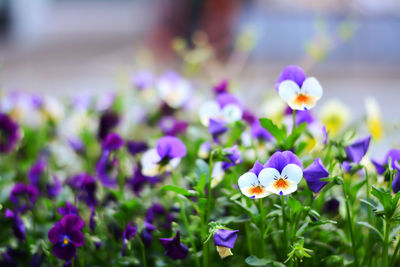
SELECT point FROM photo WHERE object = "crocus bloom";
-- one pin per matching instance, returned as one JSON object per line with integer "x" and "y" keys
{"x": 173, "y": 89}
{"x": 299, "y": 92}
{"x": 172, "y": 126}
{"x": 127, "y": 234}
{"x": 224, "y": 240}
{"x": 165, "y": 157}
{"x": 233, "y": 155}
{"x": 313, "y": 175}
{"x": 113, "y": 142}
{"x": 250, "y": 184}
{"x": 9, "y": 132}
{"x": 356, "y": 151}
{"x": 23, "y": 196}
{"x": 66, "y": 235}
{"x": 17, "y": 224}
{"x": 173, "y": 247}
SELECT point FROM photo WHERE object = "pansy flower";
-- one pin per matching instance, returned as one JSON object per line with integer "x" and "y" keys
{"x": 313, "y": 175}
{"x": 250, "y": 185}
{"x": 86, "y": 188}
{"x": 37, "y": 177}
{"x": 17, "y": 224}
{"x": 174, "y": 248}
{"x": 225, "y": 240}
{"x": 23, "y": 196}
{"x": 356, "y": 151}
{"x": 394, "y": 156}
{"x": 127, "y": 234}
{"x": 172, "y": 126}
{"x": 204, "y": 150}
{"x": 9, "y": 133}
{"x": 138, "y": 181}
{"x": 108, "y": 121}
{"x": 160, "y": 216}
{"x": 221, "y": 88}
{"x": 68, "y": 209}
{"x": 299, "y": 92}
{"x": 164, "y": 158}
{"x": 335, "y": 116}
{"x": 66, "y": 235}
{"x": 136, "y": 147}
{"x": 233, "y": 155}
{"x": 173, "y": 89}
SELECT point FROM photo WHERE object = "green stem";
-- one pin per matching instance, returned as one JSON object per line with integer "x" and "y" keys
{"x": 285, "y": 241}
{"x": 368, "y": 255}
{"x": 350, "y": 224}
{"x": 208, "y": 211}
{"x": 143, "y": 251}
{"x": 396, "y": 250}
{"x": 385, "y": 248}
{"x": 294, "y": 120}
{"x": 262, "y": 226}
{"x": 248, "y": 238}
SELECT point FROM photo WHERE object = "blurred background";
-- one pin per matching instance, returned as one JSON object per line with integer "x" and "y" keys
{"x": 69, "y": 46}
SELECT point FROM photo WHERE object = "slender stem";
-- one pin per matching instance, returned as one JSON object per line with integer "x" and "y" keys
{"x": 248, "y": 238}
{"x": 396, "y": 250}
{"x": 368, "y": 255}
{"x": 350, "y": 224}
{"x": 294, "y": 120}
{"x": 208, "y": 211}
{"x": 285, "y": 241}
{"x": 262, "y": 226}
{"x": 143, "y": 251}
{"x": 385, "y": 248}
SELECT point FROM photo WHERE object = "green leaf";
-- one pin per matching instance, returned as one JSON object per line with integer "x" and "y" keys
{"x": 201, "y": 168}
{"x": 176, "y": 189}
{"x": 255, "y": 261}
{"x": 278, "y": 133}
{"x": 298, "y": 130}
{"x": 366, "y": 224}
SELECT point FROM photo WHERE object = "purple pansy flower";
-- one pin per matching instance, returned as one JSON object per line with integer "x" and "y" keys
{"x": 233, "y": 155}
{"x": 17, "y": 224}
{"x": 313, "y": 175}
{"x": 173, "y": 247}
{"x": 36, "y": 173}
{"x": 204, "y": 150}
{"x": 112, "y": 142}
{"x": 394, "y": 156}
{"x": 165, "y": 157}
{"x": 66, "y": 235}
{"x": 68, "y": 209}
{"x": 146, "y": 234}
{"x": 216, "y": 128}
{"x": 54, "y": 189}
{"x": 136, "y": 147}
{"x": 172, "y": 126}
{"x": 138, "y": 181}
{"x": 221, "y": 88}
{"x": 225, "y": 240}
{"x": 108, "y": 121}
{"x": 356, "y": 151}
{"x": 127, "y": 234}
{"x": 86, "y": 186}
{"x": 23, "y": 196}
{"x": 299, "y": 92}
{"x": 281, "y": 174}
{"x": 9, "y": 133}
{"x": 259, "y": 132}
{"x": 173, "y": 89}
{"x": 158, "y": 215}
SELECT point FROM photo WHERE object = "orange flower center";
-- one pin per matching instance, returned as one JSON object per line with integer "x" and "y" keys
{"x": 256, "y": 190}
{"x": 281, "y": 183}
{"x": 302, "y": 99}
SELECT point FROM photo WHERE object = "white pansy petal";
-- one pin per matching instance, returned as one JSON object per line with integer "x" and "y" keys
{"x": 232, "y": 113}
{"x": 208, "y": 110}
{"x": 288, "y": 90}
{"x": 150, "y": 157}
{"x": 312, "y": 87}
{"x": 282, "y": 191}
{"x": 293, "y": 173}
{"x": 247, "y": 179}
{"x": 267, "y": 176}
{"x": 255, "y": 192}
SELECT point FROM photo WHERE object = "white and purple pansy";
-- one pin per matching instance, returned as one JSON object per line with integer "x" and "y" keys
{"x": 299, "y": 92}
{"x": 173, "y": 89}
{"x": 164, "y": 158}
{"x": 280, "y": 175}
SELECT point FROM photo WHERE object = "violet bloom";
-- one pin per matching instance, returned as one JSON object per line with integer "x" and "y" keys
{"x": 281, "y": 174}
{"x": 394, "y": 156}
{"x": 356, "y": 151}
{"x": 68, "y": 209}
{"x": 233, "y": 155}
{"x": 222, "y": 87}
{"x": 66, "y": 235}
{"x": 108, "y": 121}
{"x": 299, "y": 92}
{"x": 158, "y": 215}
{"x": 17, "y": 224}
{"x": 23, "y": 196}
{"x": 138, "y": 181}
{"x": 173, "y": 247}
{"x": 54, "y": 189}
{"x": 112, "y": 142}
{"x": 9, "y": 133}
{"x": 146, "y": 234}
{"x": 136, "y": 147}
{"x": 128, "y": 233}
{"x": 164, "y": 158}
{"x": 204, "y": 150}
{"x": 313, "y": 175}
{"x": 172, "y": 126}
{"x": 216, "y": 128}
{"x": 173, "y": 89}
{"x": 36, "y": 173}
{"x": 225, "y": 240}
{"x": 86, "y": 187}
{"x": 259, "y": 132}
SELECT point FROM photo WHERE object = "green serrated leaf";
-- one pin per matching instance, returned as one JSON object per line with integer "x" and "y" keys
{"x": 277, "y": 132}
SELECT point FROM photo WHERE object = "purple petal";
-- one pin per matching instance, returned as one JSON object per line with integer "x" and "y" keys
{"x": 216, "y": 127}
{"x": 225, "y": 238}
{"x": 257, "y": 168}
{"x": 313, "y": 175}
{"x": 55, "y": 233}
{"x": 293, "y": 73}
{"x": 357, "y": 151}
{"x": 135, "y": 147}
{"x": 76, "y": 237}
{"x": 222, "y": 87}
{"x": 279, "y": 160}
{"x": 64, "y": 252}
{"x": 170, "y": 147}
{"x": 225, "y": 99}
{"x": 113, "y": 142}
{"x": 71, "y": 221}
